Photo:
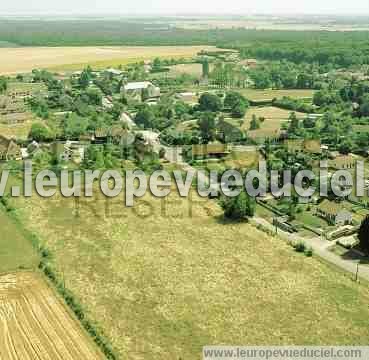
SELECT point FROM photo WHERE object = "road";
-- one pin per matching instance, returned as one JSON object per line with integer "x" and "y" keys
{"x": 320, "y": 246}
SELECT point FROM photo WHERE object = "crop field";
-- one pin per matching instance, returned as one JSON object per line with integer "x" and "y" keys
{"x": 274, "y": 120}
{"x": 191, "y": 69}
{"x": 164, "y": 278}
{"x": 269, "y": 95}
{"x": 34, "y": 324}
{"x": 16, "y": 125}
{"x": 23, "y": 60}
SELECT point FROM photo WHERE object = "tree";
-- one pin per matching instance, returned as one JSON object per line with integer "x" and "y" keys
{"x": 84, "y": 79}
{"x": 363, "y": 235}
{"x": 39, "y": 132}
{"x": 294, "y": 123}
{"x": 3, "y": 84}
{"x": 74, "y": 126}
{"x": 239, "y": 207}
{"x": 255, "y": 123}
{"x": 210, "y": 102}
{"x": 206, "y": 125}
{"x": 345, "y": 147}
{"x": 233, "y": 98}
{"x": 94, "y": 97}
{"x": 145, "y": 117}
{"x": 239, "y": 110}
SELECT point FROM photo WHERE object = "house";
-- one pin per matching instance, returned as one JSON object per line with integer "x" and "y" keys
{"x": 69, "y": 151}
{"x": 334, "y": 213}
{"x": 107, "y": 103}
{"x": 141, "y": 90}
{"x": 343, "y": 162}
{"x": 249, "y": 63}
{"x": 114, "y": 72}
{"x": 100, "y": 136}
{"x": 9, "y": 150}
{"x": 213, "y": 150}
{"x": 190, "y": 98}
{"x": 303, "y": 146}
{"x": 127, "y": 121}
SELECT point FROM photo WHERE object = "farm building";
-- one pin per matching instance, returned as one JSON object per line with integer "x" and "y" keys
{"x": 214, "y": 150}
{"x": 249, "y": 63}
{"x": 9, "y": 150}
{"x": 334, "y": 213}
{"x": 69, "y": 151}
{"x": 188, "y": 97}
{"x": 343, "y": 162}
{"x": 141, "y": 91}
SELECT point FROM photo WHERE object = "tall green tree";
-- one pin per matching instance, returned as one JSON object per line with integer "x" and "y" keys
{"x": 363, "y": 235}
{"x": 206, "y": 125}
{"x": 210, "y": 102}
{"x": 238, "y": 208}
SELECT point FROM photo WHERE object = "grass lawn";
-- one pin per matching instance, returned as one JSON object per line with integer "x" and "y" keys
{"x": 269, "y": 95}
{"x": 306, "y": 217}
{"x": 166, "y": 277}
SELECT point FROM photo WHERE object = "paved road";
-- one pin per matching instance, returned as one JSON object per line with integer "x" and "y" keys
{"x": 321, "y": 248}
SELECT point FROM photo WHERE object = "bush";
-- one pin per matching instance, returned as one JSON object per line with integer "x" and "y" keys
{"x": 239, "y": 207}
{"x": 300, "y": 246}
{"x": 309, "y": 251}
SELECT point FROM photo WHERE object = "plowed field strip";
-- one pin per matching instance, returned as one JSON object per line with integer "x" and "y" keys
{"x": 35, "y": 325}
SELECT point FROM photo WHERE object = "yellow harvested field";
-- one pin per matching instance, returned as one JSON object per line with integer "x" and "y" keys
{"x": 34, "y": 324}
{"x": 271, "y": 126}
{"x": 23, "y": 60}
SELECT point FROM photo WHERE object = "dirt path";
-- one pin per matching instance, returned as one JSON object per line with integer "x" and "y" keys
{"x": 34, "y": 324}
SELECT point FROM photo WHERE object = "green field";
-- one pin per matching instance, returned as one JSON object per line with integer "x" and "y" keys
{"x": 16, "y": 251}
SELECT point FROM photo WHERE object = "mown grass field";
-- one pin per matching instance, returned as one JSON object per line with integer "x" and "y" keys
{"x": 16, "y": 251}
{"x": 166, "y": 277}
{"x": 191, "y": 69}
{"x": 269, "y": 95}
{"x": 274, "y": 120}
{"x": 23, "y": 60}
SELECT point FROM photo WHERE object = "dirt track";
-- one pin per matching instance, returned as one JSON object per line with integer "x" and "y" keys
{"x": 34, "y": 324}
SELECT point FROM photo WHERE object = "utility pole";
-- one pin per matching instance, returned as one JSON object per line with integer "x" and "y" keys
{"x": 357, "y": 272}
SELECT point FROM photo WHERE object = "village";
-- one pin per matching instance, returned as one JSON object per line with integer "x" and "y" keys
{"x": 201, "y": 113}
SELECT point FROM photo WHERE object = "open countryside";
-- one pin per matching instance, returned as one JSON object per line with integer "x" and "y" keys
{"x": 22, "y": 60}
{"x": 90, "y": 278}
{"x": 125, "y": 277}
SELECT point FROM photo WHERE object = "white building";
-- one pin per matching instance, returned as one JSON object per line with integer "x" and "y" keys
{"x": 141, "y": 90}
